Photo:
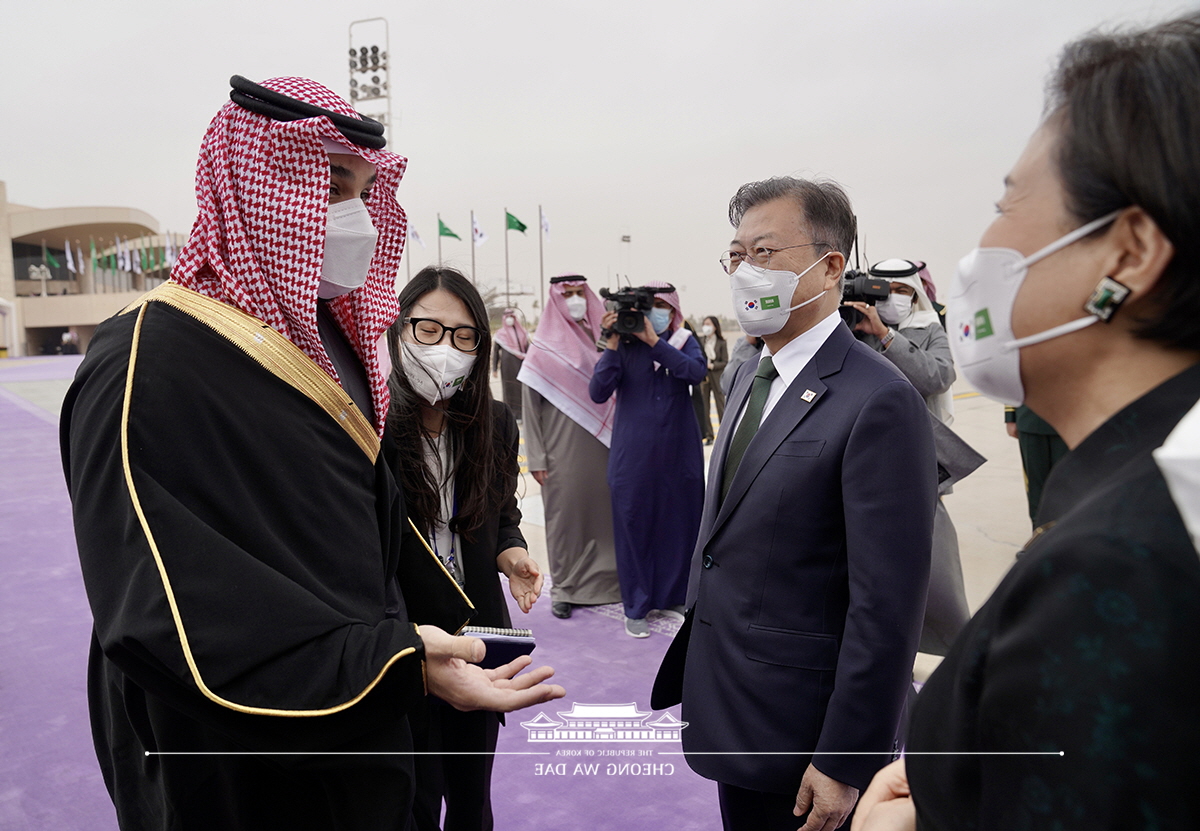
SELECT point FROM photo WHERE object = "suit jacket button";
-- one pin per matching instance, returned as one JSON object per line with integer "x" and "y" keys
{"x": 707, "y": 561}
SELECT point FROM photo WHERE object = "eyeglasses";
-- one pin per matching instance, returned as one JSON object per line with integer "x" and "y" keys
{"x": 760, "y": 256}
{"x": 430, "y": 332}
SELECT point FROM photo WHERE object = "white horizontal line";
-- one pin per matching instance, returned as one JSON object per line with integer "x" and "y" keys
{"x": 867, "y": 753}
{"x": 339, "y": 753}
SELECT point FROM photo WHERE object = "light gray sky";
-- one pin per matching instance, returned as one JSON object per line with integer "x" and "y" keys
{"x": 623, "y": 117}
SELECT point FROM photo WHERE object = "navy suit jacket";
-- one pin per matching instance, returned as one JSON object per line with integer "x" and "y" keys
{"x": 809, "y": 580}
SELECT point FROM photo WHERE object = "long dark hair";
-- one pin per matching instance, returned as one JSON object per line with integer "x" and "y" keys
{"x": 468, "y": 418}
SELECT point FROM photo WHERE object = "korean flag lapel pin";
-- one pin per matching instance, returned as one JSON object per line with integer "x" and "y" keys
{"x": 808, "y": 396}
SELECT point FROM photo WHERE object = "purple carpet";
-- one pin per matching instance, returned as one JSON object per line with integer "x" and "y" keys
{"x": 48, "y": 773}
{"x": 610, "y": 784}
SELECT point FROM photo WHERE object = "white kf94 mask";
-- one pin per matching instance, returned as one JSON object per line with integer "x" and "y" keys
{"x": 979, "y": 313}
{"x": 349, "y": 245}
{"x": 435, "y": 372}
{"x": 759, "y": 294}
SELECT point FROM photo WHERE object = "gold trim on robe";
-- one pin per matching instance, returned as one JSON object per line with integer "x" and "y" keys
{"x": 274, "y": 352}
{"x": 283, "y": 359}
{"x": 442, "y": 566}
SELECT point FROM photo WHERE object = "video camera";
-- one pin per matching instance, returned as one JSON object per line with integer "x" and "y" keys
{"x": 863, "y": 288}
{"x": 631, "y": 305}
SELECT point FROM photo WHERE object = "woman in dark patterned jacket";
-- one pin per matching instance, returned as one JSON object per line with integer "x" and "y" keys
{"x": 1070, "y": 700}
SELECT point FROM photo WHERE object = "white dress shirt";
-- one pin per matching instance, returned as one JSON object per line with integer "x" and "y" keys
{"x": 792, "y": 358}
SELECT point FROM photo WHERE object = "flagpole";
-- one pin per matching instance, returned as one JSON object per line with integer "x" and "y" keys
{"x": 439, "y": 217}
{"x": 507, "y": 297}
{"x": 473, "y": 247}
{"x": 87, "y": 280}
{"x": 541, "y": 264}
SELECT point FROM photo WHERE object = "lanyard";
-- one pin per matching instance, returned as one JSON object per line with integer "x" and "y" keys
{"x": 450, "y": 561}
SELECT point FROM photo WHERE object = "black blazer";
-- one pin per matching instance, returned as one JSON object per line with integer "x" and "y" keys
{"x": 808, "y": 583}
{"x": 502, "y": 530}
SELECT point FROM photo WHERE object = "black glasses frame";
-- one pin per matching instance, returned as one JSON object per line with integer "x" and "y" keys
{"x": 413, "y": 321}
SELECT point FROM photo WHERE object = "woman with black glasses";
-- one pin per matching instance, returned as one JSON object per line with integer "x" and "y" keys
{"x": 454, "y": 453}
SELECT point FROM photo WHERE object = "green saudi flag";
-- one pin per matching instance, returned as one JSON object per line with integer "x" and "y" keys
{"x": 443, "y": 231}
{"x": 48, "y": 258}
{"x": 514, "y": 223}
{"x": 983, "y": 324}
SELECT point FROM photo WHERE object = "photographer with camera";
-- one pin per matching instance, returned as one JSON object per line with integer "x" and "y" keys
{"x": 903, "y": 324}
{"x": 655, "y": 463}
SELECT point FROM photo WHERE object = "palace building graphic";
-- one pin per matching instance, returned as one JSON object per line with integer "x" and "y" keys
{"x": 604, "y": 723}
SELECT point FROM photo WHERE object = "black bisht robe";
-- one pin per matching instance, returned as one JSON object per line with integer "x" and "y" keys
{"x": 239, "y": 546}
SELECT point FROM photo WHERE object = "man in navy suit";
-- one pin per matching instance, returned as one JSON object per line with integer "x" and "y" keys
{"x": 810, "y": 572}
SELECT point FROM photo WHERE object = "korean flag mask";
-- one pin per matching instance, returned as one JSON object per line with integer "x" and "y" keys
{"x": 435, "y": 372}
{"x": 759, "y": 295}
{"x": 979, "y": 313}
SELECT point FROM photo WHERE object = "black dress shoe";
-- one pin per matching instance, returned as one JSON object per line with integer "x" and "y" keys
{"x": 561, "y": 610}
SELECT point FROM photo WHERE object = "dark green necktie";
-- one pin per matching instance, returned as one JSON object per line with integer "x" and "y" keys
{"x": 759, "y": 390}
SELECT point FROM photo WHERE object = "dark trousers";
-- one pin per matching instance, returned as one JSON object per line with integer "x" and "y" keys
{"x": 746, "y": 810}
{"x": 710, "y": 388}
{"x": 464, "y": 782}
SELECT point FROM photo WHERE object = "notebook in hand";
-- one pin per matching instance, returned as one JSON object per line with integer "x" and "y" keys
{"x": 503, "y": 645}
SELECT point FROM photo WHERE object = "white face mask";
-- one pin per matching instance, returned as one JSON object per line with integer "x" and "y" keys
{"x": 349, "y": 245}
{"x": 979, "y": 314}
{"x": 758, "y": 295}
{"x": 894, "y": 309}
{"x": 435, "y": 372}
{"x": 707, "y": 329}
{"x": 576, "y": 306}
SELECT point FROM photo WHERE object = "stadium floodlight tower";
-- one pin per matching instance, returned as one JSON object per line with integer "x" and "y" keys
{"x": 370, "y": 78}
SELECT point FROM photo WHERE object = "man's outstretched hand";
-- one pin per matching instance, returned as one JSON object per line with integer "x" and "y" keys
{"x": 453, "y": 675}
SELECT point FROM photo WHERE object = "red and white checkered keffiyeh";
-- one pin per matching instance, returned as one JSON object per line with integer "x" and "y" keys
{"x": 262, "y": 190}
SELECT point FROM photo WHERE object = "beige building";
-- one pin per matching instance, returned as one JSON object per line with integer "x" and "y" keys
{"x": 45, "y": 307}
